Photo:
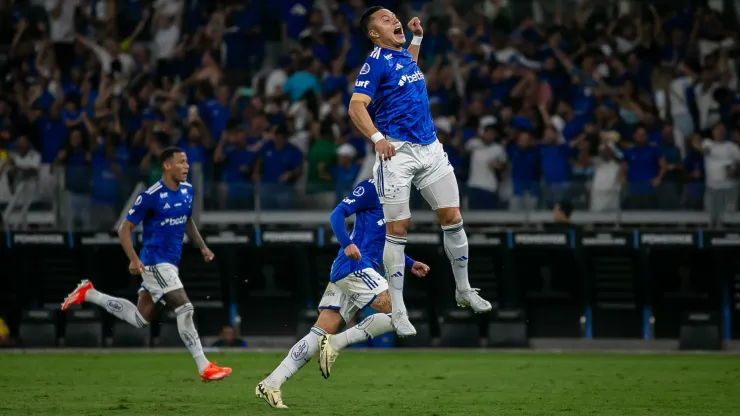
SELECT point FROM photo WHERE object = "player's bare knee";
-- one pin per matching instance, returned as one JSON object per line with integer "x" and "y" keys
{"x": 449, "y": 216}
{"x": 177, "y": 298}
{"x": 397, "y": 228}
{"x": 329, "y": 320}
{"x": 382, "y": 303}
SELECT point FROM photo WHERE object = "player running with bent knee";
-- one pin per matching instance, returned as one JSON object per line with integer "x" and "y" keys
{"x": 408, "y": 152}
{"x": 354, "y": 284}
{"x": 166, "y": 210}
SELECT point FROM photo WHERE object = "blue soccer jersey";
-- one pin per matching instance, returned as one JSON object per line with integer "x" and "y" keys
{"x": 164, "y": 213}
{"x": 398, "y": 93}
{"x": 368, "y": 233}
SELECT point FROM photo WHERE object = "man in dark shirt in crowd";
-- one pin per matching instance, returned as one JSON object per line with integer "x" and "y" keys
{"x": 228, "y": 338}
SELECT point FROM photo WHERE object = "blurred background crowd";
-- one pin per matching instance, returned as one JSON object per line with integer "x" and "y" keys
{"x": 607, "y": 104}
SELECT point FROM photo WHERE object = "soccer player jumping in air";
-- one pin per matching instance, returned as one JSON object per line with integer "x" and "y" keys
{"x": 408, "y": 152}
{"x": 353, "y": 284}
{"x": 166, "y": 209}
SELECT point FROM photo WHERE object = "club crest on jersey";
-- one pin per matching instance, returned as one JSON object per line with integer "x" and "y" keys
{"x": 388, "y": 57}
{"x": 162, "y": 195}
{"x": 138, "y": 200}
{"x": 365, "y": 69}
{"x": 359, "y": 191}
{"x": 184, "y": 191}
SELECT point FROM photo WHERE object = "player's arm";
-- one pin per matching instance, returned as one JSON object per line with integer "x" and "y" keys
{"x": 415, "y": 45}
{"x": 134, "y": 216}
{"x": 191, "y": 229}
{"x": 360, "y": 199}
{"x": 416, "y": 268}
{"x": 368, "y": 79}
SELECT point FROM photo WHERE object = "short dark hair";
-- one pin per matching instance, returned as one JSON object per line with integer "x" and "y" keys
{"x": 365, "y": 19}
{"x": 167, "y": 154}
{"x": 566, "y": 207}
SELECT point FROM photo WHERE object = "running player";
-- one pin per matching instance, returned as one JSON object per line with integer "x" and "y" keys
{"x": 166, "y": 209}
{"x": 353, "y": 284}
{"x": 407, "y": 149}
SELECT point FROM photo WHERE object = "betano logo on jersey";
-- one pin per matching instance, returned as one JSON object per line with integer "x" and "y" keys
{"x": 174, "y": 221}
{"x": 408, "y": 79}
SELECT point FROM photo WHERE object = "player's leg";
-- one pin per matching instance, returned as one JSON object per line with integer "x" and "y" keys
{"x": 166, "y": 275}
{"x": 333, "y": 306}
{"x": 118, "y": 307}
{"x": 393, "y": 182}
{"x": 443, "y": 196}
{"x": 364, "y": 288}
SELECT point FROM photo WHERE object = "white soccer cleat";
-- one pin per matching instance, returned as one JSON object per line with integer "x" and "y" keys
{"x": 273, "y": 396}
{"x": 402, "y": 324}
{"x": 327, "y": 355}
{"x": 471, "y": 298}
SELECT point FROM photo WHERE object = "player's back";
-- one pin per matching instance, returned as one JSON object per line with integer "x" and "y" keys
{"x": 400, "y": 104}
{"x": 368, "y": 233}
{"x": 164, "y": 213}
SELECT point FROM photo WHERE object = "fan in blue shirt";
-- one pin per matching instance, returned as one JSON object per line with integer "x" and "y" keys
{"x": 165, "y": 210}
{"x": 354, "y": 284}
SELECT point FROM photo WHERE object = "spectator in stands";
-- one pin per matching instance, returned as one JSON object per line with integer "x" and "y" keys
{"x": 75, "y": 159}
{"x": 693, "y": 197}
{"x": 321, "y": 158}
{"x": 561, "y": 216}
{"x": 525, "y": 172}
{"x": 62, "y": 30}
{"x": 643, "y": 167}
{"x": 106, "y": 175}
{"x": 669, "y": 197}
{"x": 238, "y": 167}
{"x": 227, "y": 338}
{"x": 345, "y": 171}
{"x": 555, "y": 159}
{"x": 279, "y": 164}
{"x": 304, "y": 80}
{"x": 487, "y": 160}
{"x": 25, "y": 163}
{"x": 721, "y": 159}
{"x": 606, "y": 186}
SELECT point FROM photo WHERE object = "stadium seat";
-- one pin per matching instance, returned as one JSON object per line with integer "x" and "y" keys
{"x": 38, "y": 329}
{"x": 306, "y": 319}
{"x": 423, "y": 337}
{"x": 169, "y": 336}
{"x": 126, "y": 335}
{"x": 84, "y": 329}
{"x": 700, "y": 331}
{"x": 460, "y": 329}
{"x": 507, "y": 328}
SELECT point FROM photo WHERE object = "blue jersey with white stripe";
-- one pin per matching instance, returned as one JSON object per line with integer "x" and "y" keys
{"x": 368, "y": 233}
{"x": 398, "y": 93}
{"x": 164, "y": 213}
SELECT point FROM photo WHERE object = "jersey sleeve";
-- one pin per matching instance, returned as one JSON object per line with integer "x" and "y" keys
{"x": 370, "y": 76}
{"x": 362, "y": 198}
{"x": 138, "y": 211}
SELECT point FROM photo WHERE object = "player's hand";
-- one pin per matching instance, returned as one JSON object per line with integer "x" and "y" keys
{"x": 385, "y": 149}
{"x": 419, "y": 269}
{"x": 207, "y": 254}
{"x": 136, "y": 267}
{"x": 415, "y": 26}
{"x": 352, "y": 252}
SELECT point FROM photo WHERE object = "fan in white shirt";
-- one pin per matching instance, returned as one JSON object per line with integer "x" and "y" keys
{"x": 486, "y": 156}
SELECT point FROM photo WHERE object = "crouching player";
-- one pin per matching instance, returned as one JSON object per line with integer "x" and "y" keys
{"x": 354, "y": 284}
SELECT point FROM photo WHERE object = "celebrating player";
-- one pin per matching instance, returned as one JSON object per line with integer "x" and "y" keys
{"x": 166, "y": 209}
{"x": 407, "y": 149}
{"x": 353, "y": 284}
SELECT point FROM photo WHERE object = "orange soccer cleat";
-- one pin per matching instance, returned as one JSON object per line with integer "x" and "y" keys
{"x": 215, "y": 373}
{"x": 78, "y": 295}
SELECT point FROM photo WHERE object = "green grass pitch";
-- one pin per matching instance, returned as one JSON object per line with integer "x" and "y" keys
{"x": 367, "y": 383}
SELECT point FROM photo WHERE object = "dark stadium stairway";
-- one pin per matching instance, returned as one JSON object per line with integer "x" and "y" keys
{"x": 615, "y": 294}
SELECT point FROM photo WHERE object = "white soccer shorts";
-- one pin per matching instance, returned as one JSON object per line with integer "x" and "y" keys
{"x": 159, "y": 280}
{"x": 421, "y": 165}
{"x": 353, "y": 293}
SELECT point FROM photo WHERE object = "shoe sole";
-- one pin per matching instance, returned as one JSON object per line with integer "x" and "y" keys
{"x": 326, "y": 374}
{"x": 210, "y": 380}
{"x": 462, "y": 305}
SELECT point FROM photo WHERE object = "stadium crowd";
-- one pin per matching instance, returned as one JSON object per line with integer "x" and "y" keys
{"x": 616, "y": 105}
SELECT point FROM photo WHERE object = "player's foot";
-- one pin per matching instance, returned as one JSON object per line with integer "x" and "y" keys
{"x": 327, "y": 355}
{"x": 402, "y": 324}
{"x": 273, "y": 396}
{"x": 78, "y": 295}
{"x": 471, "y": 298}
{"x": 214, "y": 373}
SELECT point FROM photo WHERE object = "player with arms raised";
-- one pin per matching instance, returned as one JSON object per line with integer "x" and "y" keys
{"x": 392, "y": 85}
{"x": 166, "y": 210}
{"x": 353, "y": 284}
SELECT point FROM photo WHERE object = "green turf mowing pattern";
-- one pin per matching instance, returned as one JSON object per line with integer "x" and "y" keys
{"x": 388, "y": 384}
